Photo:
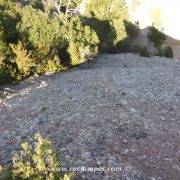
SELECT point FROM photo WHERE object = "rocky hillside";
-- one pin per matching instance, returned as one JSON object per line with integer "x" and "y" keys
{"x": 117, "y": 111}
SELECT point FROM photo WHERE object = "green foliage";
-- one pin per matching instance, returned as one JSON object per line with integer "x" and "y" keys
{"x": 5, "y": 70}
{"x": 35, "y": 161}
{"x": 45, "y": 37}
{"x": 50, "y": 66}
{"x": 166, "y": 52}
{"x": 156, "y": 37}
{"x": 5, "y": 172}
{"x": 144, "y": 52}
{"x": 107, "y": 21}
{"x": 39, "y": 30}
{"x": 131, "y": 29}
{"x": 125, "y": 46}
{"x": 105, "y": 32}
{"x": 5, "y": 75}
{"x": 53, "y": 65}
{"x": 159, "y": 52}
{"x": 23, "y": 59}
{"x": 83, "y": 41}
{"x": 3, "y": 44}
{"x": 74, "y": 53}
{"x": 50, "y": 35}
{"x": 8, "y": 19}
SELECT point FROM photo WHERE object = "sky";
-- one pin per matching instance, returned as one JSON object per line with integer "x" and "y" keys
{"x": 170, "y": 14}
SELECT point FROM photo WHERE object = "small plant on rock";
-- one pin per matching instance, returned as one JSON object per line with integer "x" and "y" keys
{"x": 37, "y": 161}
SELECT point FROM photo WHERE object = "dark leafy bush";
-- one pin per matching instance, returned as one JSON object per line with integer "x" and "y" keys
{"x": 131, "y": 29}
{"x": 5, "y": 73}
{"x": 156, "y": 37}
{"x": 8, "y": 20}
{"x": 159, "y": 52}
{"x": 105, "y": 32}
{"x": 165, "y": 52}
{"x": 3, "y": 44}
{"x": 168, "y": 52}
{"x": 124, "y": 46}
{"x": 144, "y": 52}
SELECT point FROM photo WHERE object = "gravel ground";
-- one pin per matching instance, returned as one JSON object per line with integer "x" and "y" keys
{"x": 118, "y": 110}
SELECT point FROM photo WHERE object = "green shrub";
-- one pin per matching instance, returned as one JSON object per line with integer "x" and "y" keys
{"x": 83, "y": 41}
{"x": 35, "y": 161}
{"x": 156, "y": 37}
{"x": 168, "y": 52}
{"x": 5, "y": 75}
{"x": 45, "y": 37}
{"x": 165, "y": 52}
{"x": 125, "y": 46}
{"x": 105, "y": 32}
{"x": 131, "y": 29}
{"x": 50, "y": 66}
{"x": 3, "y": 44}
{"x": 159, "y": 52}
{"x": 50, "y": 35}
{"x": 8, "y": 20}
{"x": 5, "y": 70}
{"x": 40, "y": 31}
{"x": 107, "y": 21}
{"x": 144, "y": 52}
{"x": 23, "y": 59}
{"x": 44, "y": 43}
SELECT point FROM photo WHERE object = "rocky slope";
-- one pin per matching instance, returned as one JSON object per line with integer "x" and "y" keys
{"x": 117, "y": 111}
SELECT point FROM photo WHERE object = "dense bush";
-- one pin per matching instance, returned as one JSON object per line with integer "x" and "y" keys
{"x": 47, "y": 44}
{"x": 131, "y": 29}
{"x": 3, "y": 44}
{"x": 83, "y": 41}
{"x": 40, "y": 31}
{"x": 23, "y": 59}
{"x": 5, "y": 73}
{"x": 35, "y": 161}
{"x": 165, "y": 52}
{"x": 168, "y": 52}
{"x": 8, "y": 19}
{"x": 55, "y": 34}
{"x": 107, "y": 21}
{"x": 144, "y": 52}
{"x": 156, "y": 37}
{"x": 124, "y": 46}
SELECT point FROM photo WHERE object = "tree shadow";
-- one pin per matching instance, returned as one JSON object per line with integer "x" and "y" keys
{"x": 105, "y": 32}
